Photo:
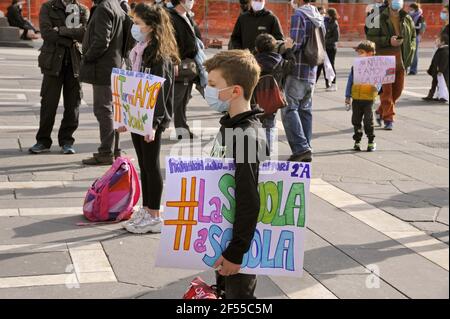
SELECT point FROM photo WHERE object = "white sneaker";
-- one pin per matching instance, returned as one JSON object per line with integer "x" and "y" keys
{"x": 146, "y": 225}
{"x": 137, "y": 217}
{"x": 332, "y": 88}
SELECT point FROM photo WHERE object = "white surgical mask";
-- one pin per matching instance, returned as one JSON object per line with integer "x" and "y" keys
{"x": 212, "y": 98}
{"x": 258, "y": 6}
{"x": 397, "y": 4}
{"x": 137, "y": 33}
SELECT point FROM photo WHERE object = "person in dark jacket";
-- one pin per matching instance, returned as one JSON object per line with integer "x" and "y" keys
{"x": 125, "y": 6}
{"x": 186, "y": 32}
{"x": 232, "y": 77}
{"x": 441, "y": 41}
{"x": 331, "y": 40}
{"x": 16, "y": 19}
{"x": 252, "y": 23}
{"x": 59, "y": 61}
{"x": 394, "y": 35}
{"x": 277, "y": 65}
{"x": 103, "y": 51}
{"x": 156, "y": 49}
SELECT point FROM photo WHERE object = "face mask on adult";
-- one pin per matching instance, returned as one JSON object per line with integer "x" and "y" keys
{"x": 444, "y": 16}
{"x": 397, "y": 5}
{"x": 137, "y": 34}
{"x": 213, "y": 100}
{"x": 258, "y": 5}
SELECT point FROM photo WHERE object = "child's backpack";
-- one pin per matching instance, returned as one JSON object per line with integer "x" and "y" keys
{"x": 198, "y": 289}
{"x": 113, "y": 196}
{"x": 268, "y": 94}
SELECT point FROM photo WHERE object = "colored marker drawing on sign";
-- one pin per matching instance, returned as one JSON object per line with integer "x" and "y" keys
{"x": 134, "y": 100}
{"x": 200, "y": 212}
{"x": 374, "y": 70}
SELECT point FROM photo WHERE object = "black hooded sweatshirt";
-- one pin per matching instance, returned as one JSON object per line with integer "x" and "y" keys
{"x": 251, "y": 24}
{"x": 246, "y": 176}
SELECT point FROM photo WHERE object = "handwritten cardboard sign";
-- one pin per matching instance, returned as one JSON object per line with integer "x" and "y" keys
{"x": 200, "y": 209}
{"x": 374, "y": 70}
{"x": 134, "y": 100}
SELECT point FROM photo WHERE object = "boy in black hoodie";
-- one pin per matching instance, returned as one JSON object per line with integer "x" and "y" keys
{"x": 232, "y": 77}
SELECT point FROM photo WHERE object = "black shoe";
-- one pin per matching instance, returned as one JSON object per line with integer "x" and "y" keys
{"x": 412, "y": 73}
{"x": 39, "y": 148}
{"x": 302, "y": 157}
{"x": 357, "y": 146}
{"x": 191, "y": 136}
{"x": 67, "y": 149}
{"x": 428, "y": 99}
{"x": 99, "y": 159}
{"x": 443, "y": 101}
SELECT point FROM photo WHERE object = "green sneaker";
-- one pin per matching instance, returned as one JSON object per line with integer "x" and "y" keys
{"x": 357, "y": 146}
{"x": 371, "y": 147}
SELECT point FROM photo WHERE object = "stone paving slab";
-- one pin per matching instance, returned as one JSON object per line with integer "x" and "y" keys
{"x": 29, "y": 264}
{"x": 355, "y": 287}
{"x": 85, "y": 291}
{"x": 265, "y": 288}
{"x": 22, "y": 230}
{"x": 144, "y": 249}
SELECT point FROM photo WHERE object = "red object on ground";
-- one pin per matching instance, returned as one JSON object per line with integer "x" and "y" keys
{"x": 200, "y": 290}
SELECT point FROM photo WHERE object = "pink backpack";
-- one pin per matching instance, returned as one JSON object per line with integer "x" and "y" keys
{"x": 113, "y": 196}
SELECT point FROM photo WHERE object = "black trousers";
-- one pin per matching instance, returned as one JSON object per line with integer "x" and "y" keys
{"x": 181, "y": 99}
{"x": 362, "y": 113}
{"x": 332, "y": 56}
{"x": 50, "y": 94}
{"x": 434, "y": 85}
{"x": 239, "y": 286}
{"x": 151, "y": 178}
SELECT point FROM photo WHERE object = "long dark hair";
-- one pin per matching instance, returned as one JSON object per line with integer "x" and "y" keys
{"x": 333, "y": 14}
{"x": 163, "y": 44}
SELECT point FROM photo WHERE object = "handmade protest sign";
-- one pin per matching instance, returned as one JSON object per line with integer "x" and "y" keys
{"x": 134, "y": 99}
{"x": 374, "y": 70}
{"x": 200, "y": 209}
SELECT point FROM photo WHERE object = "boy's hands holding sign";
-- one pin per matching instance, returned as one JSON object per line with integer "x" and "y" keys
{"x": 147, "y": 137}
{"x": 225, "y": 267}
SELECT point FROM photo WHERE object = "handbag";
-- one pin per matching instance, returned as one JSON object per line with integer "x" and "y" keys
{"x": 187, "y": 71}
{"x": 268, "y": 94}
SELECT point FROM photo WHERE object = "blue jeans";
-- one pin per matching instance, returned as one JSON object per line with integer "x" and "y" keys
{"x": 297, "y": 116}
{"x": 415, "y": 62}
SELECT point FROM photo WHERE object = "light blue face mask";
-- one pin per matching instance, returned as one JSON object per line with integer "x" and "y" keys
{"x": 397, "y": 4}
{"x": 137, "y": 34}
{"x": 444, "y": 16}
{"x": 212, "y": 98}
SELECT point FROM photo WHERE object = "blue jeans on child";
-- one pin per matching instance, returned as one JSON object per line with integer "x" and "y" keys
{"x": 297, "y": 116}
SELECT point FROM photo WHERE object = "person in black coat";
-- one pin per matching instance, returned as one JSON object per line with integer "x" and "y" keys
{"x": 252, "y": 23}
{"x": 16, "y": 19}
{"x": 186, "y": 34}
{"x": 103, "y": 50}
{"x": 59, "y": 60}
{"x": 157, "y": 50}
{"x": 331, "y": 39}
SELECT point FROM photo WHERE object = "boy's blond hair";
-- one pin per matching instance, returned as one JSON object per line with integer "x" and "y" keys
{"x": 238, "y": 67}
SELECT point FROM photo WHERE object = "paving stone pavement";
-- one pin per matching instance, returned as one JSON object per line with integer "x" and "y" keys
{"x": 392, "y": 242}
